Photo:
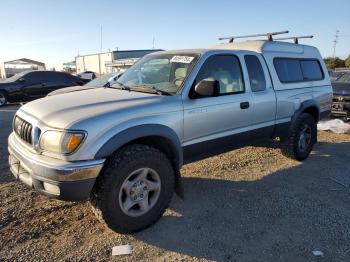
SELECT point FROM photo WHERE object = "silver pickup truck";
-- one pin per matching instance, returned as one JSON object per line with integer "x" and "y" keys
{"x": 122, "y": 147}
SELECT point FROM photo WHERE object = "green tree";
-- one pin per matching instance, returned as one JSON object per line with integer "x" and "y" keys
{"x": 347, "y": 62}
{"x": 334, "y": 63}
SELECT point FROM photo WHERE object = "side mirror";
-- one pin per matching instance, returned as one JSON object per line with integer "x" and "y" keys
{"x": 21, "y": 80}
{"x": 207, "y": 87}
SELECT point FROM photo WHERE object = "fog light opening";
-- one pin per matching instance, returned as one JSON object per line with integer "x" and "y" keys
{"x": 52, "y": 189}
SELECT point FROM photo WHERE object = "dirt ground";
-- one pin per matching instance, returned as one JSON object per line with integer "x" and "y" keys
{"x": 251, "y": 204}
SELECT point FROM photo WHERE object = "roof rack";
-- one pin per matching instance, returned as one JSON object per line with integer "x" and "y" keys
{"x": 295, "y": 38}
{"x": 269, "y": 36}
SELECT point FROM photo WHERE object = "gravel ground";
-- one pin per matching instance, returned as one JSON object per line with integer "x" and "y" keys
{"x": 252, "y": 204}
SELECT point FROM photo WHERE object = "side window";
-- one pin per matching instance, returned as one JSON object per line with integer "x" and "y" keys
{"x": 288, "y": 70}
{"x": 60, "y": 77}
{"x": 226, "y": 70}
{"x": 36, "y": 77}
{"x": 311, "y": 70}
{"x": 298, "y": 70}
{"x": 256, "y": 73}
{"x": 30, "y": 77}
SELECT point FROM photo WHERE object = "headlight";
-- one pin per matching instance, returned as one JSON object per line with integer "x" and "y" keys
{"x": 61, "y": 142}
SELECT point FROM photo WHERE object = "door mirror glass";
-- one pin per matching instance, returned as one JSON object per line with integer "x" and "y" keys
{"x": 207, "y": 87}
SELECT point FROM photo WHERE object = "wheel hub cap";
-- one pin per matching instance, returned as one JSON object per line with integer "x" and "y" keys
{"x": 304, "y": 138}
{"x": 139, "y": 192}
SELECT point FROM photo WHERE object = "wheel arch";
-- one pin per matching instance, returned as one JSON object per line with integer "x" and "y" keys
{"x": 310, "y": 107}
{"x": 158, "y": 136}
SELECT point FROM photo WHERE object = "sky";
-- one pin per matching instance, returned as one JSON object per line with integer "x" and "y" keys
{"x": 56, "y": 31}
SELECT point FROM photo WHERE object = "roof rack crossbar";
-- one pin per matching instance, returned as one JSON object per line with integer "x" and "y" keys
{"x": 269, "y": 36}
{"x": 295, "y": 38}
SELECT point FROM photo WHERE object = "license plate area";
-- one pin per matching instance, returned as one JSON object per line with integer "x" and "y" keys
{"x": 337, "y": 106}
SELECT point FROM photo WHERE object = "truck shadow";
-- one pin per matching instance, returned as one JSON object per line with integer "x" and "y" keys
{"x": 285, "y": 215}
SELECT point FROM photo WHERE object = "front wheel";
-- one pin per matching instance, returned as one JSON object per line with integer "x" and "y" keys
{"x": 134, "y": 189}
{"x": 3, "y": 98}
{"x": 302, "y": 139}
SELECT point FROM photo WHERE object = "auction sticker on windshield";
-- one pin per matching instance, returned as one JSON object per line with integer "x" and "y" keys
{"x": 182, "y": 59}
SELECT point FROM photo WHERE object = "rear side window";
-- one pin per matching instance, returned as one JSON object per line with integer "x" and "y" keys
{"x": 311, "y": 70}
{"x": 288, "y": 70}
{"x": 291, "y": 70}
{"x": 256, "y": 73}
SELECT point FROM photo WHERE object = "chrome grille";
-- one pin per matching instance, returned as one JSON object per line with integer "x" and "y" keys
{"x": 23, "y": 129}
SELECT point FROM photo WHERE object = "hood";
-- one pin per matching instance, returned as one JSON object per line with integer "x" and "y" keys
{"x": 4, "y": 84}
{"x": 70, "y": 89}
{"x": 70, "y": 110}
{"x": 341, "y": 88}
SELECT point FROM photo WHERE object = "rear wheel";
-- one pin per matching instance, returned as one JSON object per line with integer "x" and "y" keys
{"x": 134, "y": 189}
{"x": 302, "y": 139}
{"x": 3, "y": 98}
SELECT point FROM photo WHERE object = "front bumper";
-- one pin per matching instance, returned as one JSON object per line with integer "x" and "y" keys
{"x": 52, "y": 177}
{"x": 341, "y": 108}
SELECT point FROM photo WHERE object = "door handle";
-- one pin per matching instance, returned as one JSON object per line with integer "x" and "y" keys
{"x": 244, "y": 105}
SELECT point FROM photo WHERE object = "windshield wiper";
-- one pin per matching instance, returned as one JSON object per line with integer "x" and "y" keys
{"x": 154, "y": 89}
{"x": 122, "y": 86}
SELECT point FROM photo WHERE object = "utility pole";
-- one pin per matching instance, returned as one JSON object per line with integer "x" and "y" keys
{"x": 335, "y": 45}
{"x": 101, "y": 41}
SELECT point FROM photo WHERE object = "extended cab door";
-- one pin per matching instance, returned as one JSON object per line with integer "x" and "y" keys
{"x": 263, "y": 94}
{"x": 213, "y": 123}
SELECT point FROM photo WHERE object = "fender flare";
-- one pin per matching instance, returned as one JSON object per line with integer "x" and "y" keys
{"x": 304, "y": 106}
{"x": 140, "y": 131}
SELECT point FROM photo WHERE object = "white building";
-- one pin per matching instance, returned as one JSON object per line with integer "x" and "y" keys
{"x": 108, "y": 62}
{"x": 10, "y": 68}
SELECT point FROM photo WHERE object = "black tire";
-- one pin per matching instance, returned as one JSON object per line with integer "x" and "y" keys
{"x": 3, "y": 98}
{"x": 105, "y": 195}
{"x": 291, "y": 147}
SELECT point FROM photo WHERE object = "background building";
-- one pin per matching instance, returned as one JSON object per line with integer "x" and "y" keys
{"x": 108, "y": 62}
{"x": 69, "y": 67}
{"x": 10, "y": 68}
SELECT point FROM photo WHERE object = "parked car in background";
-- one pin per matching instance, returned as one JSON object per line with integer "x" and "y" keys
{"x": 332, "y": 75}
{"x": 337, "y": 74}
{"x": 88, "y": 75}
{"x": 103, "y": 81}
{"x": 30, "y": 85}
{"x": 341, "y": 97}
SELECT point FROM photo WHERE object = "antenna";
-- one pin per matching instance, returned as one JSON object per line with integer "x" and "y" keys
{"x": 295, "y": 38}
{"x": 269, "y": 36}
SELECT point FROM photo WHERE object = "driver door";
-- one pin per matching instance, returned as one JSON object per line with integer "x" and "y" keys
{"x": 211, "y": 124}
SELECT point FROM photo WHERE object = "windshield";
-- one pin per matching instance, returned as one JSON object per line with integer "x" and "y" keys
{"x": 16, "y": 76}
{"x": 163, "y": 72}
{"x": 344, "y": 78}
{"x": 101, "y": 81}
